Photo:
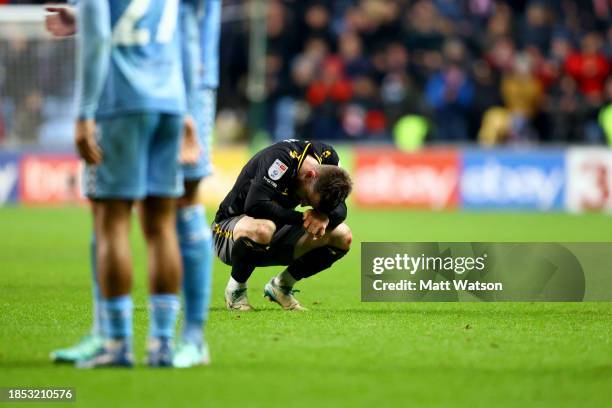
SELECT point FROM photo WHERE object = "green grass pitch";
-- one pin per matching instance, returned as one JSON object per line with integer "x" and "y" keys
{"x": 342, "y": 353}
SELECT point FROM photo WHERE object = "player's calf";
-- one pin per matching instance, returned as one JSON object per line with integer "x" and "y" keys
{"x": 159, "y": 227}
{"x": 312, "y": 256}
{"x": 251, "y": 240}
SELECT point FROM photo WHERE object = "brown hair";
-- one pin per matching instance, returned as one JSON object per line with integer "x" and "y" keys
{"x": 333, "y": 185}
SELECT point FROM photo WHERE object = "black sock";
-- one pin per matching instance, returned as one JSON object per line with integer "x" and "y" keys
{"x": 315, "y": 261}
{"x": 246, "y": 254}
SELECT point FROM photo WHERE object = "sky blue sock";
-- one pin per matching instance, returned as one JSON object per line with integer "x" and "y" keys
{"x": 118, "y": 313}
{"x": 196, "y": 252}
{"x": 163, "y": 310}
{"x": 98, "y": 324}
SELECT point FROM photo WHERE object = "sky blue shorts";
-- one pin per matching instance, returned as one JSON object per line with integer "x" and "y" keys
{"x": 140, "y": 157}
{"x": 203, "y": 114}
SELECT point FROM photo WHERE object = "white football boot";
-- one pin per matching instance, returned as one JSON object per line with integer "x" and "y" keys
{"x": 283, "y": 295}
{"x": 237, "y": 300}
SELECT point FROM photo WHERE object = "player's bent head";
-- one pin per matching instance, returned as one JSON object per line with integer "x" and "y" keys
{"x": 332, "y": 186}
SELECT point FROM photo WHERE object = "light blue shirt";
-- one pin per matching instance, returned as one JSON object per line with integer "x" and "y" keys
{"x": 129, "y": 58}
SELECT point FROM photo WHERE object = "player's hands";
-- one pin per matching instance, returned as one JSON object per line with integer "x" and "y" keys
{"x": 315, "y": 223}
{"x": 85, "y": 141}
{"x": 190, "y": 145}
{"x": 61, "y": 22}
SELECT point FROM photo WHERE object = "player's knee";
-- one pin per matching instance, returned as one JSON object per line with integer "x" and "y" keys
{"x": 342, "y": 237}
{"x": 263, "y": 232}
{"x": 156, "y": 229}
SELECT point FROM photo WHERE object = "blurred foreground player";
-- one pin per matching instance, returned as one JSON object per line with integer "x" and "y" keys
{"x": 131, "y": 92}
{"x": 200, "y": 22}
{"x": 257, "y": 224}
{"x": 61, "y": 22}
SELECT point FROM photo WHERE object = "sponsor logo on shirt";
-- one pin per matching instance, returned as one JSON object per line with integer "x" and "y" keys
{"x": 277, "y": 169}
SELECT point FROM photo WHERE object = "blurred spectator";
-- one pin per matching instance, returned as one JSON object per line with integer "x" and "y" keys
{"x": 522, "y": 95}
{"x": 566, "y": 108}
{"x": 425, "y": 28}
{"x": 351, "y": 53}
{"x": 536, "y": 28}
{"x": 589, "y": 67}
{"x": 451, "y": 94}
{"x": 486, "y": 89}
{"x": 501, "y": 54}
{"x": 317, "y": 19}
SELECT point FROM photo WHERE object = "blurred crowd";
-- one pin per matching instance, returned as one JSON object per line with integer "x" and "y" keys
{"x": 450, "y": 70}
{"x": 439, "y": 71}
{"x": 37, "y": 76}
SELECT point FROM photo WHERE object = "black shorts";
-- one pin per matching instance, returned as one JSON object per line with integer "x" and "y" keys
{"x": 281, "y": 247}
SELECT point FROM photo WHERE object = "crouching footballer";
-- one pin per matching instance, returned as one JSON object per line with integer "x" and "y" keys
{"x": 257, "y": 224}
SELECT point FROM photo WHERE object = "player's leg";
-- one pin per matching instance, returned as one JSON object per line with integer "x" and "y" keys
{"x": 113, "y": 185}
{"x": 311, "y": 256}
{"x": 248, "y": 247}
{"x": 92, "y": 343}
{"x": 98, "y": 320}
{"x": 159, "y": 215}
{"x": 114, "y": 266}
{"x": 195, "y": 242}
{"x": 196, "y": 253}
{"x": 164, "y": 185}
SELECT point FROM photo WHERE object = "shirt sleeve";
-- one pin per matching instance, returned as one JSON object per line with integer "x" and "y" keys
{"x": 190, "y": 51}
{"x": 210, "y": 33}
{"x": 329, "y": 155}
{"x": 93, "y": 50}
{"x": 272, "y": 177}
{"x": 337, "y": 216}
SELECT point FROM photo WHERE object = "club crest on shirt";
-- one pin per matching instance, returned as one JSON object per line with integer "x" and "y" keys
{"x": 277, "y": 169}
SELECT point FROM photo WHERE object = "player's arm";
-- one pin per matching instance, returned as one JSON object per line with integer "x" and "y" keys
{"x": 337, "y": 216}
{"x": 188, "y": 23}
{"x": 260, "y": 200}
{"x": 94, "y": 47}
{"x": 190, "y": 51}
{"x": 318, "y": 222}
{"x": 260, "y": 204}
{"x": 210, "y": 34}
